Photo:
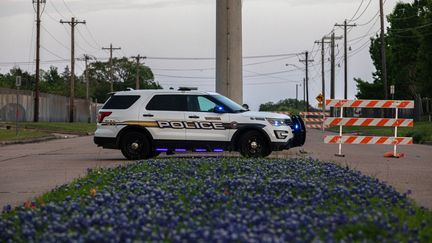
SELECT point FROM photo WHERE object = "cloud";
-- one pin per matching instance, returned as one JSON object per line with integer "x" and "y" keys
{"x": 15, "y": 7}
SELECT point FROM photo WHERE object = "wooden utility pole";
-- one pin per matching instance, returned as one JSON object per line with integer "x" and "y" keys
{"x": 332, "y": 71}
{"x": 111, "y": 48}
{"x": 138, "y": 58}
{"x": 72, "y": 24}
{"x": 86, "y": 58}
{"x": 345, "y": 26}
{"x": 323, "y": 42}
{"x": 383, "y": 52}
{"x": 306, "y": 61}
{"x": 304, "y": 94}
{"x": 37, "y": 80}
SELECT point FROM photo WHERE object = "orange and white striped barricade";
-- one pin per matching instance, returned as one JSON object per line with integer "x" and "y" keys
{"x": 370, "y": 122}
{"x": 314, "y": 119}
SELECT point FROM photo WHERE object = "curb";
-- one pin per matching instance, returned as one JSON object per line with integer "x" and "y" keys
{"x": 42, "y": 139}
{"x": 34, "y": 140}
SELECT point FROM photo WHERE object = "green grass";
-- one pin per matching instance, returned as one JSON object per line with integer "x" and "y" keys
{"x": 80, "y": 128}
{"x": 29, "y": 130}
{"x": 10, "y": 135}
{"x": 421, "y": 132}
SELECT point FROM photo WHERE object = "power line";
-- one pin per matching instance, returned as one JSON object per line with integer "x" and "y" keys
{"x": 356, "y": 12}
{"x": 55, "y": 8}
{"x": 267, "y": 75}
{"x": 213, "y": 58}
{"x": 369, "y": 21}
{"x": 67, "y": 7}
{"x": 92, "y": 37}
{"x": 85, "y": 40}
{"x": 54, "y": 38}
{"x": 367, "y": 6}
{"x": 52, "y": 53}
{"x": 411, "y": 28}
{"x": 31, "y": 45}
{"x": 359, "y": 38}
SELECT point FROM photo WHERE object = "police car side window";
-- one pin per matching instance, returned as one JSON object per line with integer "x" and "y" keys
{"x": 205, "y": 105}
{"x": 120, "y": 102}
{"x": 167, "y": 103}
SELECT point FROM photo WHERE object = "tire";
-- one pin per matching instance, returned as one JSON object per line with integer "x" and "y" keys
{"x": 135, "y": 146}
{"x": 254, "y": 145}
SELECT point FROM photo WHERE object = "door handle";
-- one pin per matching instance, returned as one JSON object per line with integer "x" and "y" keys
{"x": 148, "y": 115}
{"x": 194, "y": 117}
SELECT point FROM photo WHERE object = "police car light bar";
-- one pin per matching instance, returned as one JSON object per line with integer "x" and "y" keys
{"x": 187, "y": 88}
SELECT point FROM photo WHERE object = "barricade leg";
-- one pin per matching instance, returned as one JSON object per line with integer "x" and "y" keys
{"x": 395, "y": 154}
{"x": 340, "y": 135}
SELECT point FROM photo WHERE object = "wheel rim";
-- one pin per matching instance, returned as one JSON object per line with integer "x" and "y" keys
{"x": 254, "y": 145}
{"x": 134, "y": 146}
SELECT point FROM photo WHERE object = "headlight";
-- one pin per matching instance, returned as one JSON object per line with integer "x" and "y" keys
{"x": 279, "y": 122}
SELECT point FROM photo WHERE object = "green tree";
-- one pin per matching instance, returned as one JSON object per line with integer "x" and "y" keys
{"x": 408, "y": 54}
{"x": 8, "y": 80}
{"x": 291, "y": 105}
{"x": 124, "y": 76}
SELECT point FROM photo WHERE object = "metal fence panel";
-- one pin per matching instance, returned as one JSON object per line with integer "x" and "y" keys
{"x": 52, "y": 108}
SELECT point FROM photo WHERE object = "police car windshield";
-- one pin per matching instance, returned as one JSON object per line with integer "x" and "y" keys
{"x": 231, "y": 105}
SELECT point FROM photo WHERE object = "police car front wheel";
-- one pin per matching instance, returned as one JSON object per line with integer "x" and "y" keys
{"x": 253, "y": 144}
{"x": 135, "y": 145}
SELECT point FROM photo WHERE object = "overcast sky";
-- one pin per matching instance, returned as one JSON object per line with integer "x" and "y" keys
{"x": 186, "y": 28}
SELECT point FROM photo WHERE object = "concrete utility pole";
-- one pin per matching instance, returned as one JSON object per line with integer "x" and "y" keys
{"x": 323, "y": 42}
{"x": 138, "y": 58}
{"x": 72, "y": 24}
{"x": 111, "y": 48}
{"x": 307, "y": 61}
{"x": 297, "y": 95}
{"x": 345, "y": 25}
{"x": 229, "y": 73}
{"x": 383, "y": 52}
{"x": 37, "y": 81}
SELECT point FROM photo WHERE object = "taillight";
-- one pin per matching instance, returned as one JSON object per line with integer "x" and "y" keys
{"x": 102, "y": 115}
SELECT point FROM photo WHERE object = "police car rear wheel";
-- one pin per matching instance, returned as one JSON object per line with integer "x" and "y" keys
{"x": 135, "y": 146}
{"x": 254, "y": 145}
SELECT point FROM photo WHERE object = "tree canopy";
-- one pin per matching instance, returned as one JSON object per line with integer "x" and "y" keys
{"x": 54, "y": 82}
{"x": 291, "y": 105}
{"x": 408, "y": 54}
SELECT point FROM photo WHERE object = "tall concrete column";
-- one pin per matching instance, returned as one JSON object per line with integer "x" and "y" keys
{"x": 229, "y": 64}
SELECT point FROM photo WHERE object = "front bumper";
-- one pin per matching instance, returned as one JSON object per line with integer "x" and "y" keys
{"x": 278, "y": 146}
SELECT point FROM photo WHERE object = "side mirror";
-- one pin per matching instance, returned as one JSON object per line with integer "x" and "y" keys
{"x": 245, "y": 106}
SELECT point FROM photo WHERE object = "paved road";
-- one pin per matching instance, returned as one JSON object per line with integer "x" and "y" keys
{"x": 32, "y": 169}
{"x": 413, "y": 172}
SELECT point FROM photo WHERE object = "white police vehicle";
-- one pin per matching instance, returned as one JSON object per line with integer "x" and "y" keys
{"x": 144, "y": 123}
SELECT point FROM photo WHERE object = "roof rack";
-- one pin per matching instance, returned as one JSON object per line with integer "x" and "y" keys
{"x": 187, "y": 88}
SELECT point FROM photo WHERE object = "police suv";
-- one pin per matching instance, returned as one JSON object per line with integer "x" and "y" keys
{"x": 144, "y": 123}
